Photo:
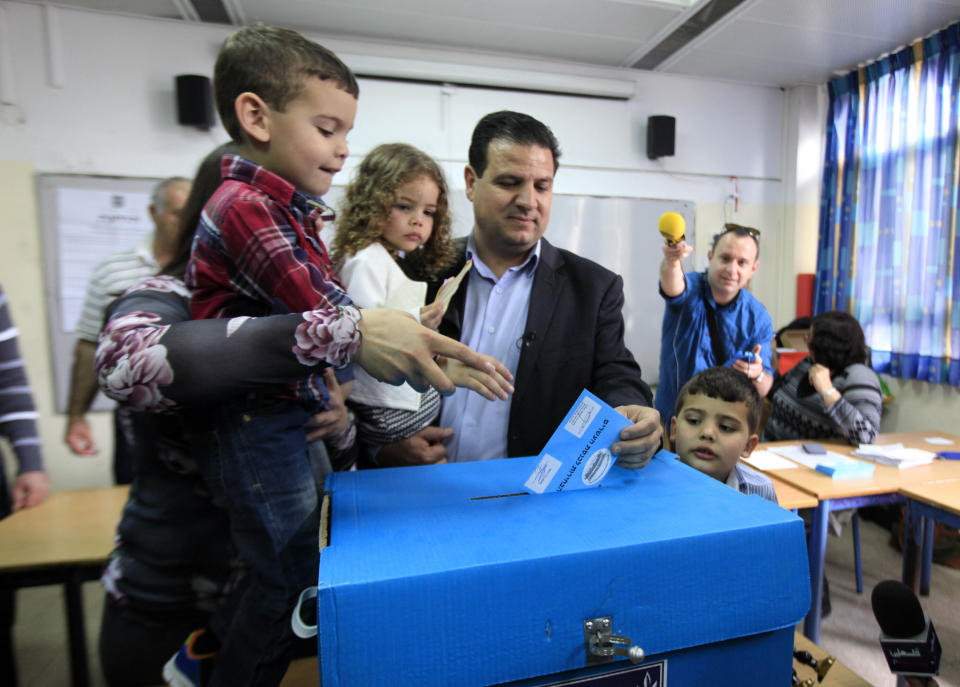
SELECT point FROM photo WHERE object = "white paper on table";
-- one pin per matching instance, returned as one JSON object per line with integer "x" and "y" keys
{"x": 878, "y": 449}
{"x": 895, "y": 455}
{"x": 765, "y": 460}
{"x": 941, "y": 441}
{"x": 810, "y": 460}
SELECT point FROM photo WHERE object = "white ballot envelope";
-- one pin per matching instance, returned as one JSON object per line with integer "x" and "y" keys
{"x": 450, "y": 286}
{"x": 577, "y": 456}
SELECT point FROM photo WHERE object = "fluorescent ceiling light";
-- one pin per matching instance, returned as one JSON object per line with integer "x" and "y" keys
{"x": 494, "y": 77}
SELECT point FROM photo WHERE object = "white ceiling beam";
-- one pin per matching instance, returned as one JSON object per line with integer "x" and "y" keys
{"x": 235, "y": 12}
{"x": 186, "y": 9}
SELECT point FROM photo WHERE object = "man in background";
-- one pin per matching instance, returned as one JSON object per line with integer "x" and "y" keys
{"x": 710, "y": 318}
{"x": 18, "y": 424}
{"x": 110, "y": 278}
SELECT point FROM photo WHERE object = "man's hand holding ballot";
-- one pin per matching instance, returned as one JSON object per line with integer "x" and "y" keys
{"x": 637, "y": 441}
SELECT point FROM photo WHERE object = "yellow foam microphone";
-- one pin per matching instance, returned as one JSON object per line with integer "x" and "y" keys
{"x": 672, "y": 227}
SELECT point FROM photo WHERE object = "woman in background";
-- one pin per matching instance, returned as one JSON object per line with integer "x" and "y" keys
{"x": 831, "y": 394}
{"x": 174, "y": 564}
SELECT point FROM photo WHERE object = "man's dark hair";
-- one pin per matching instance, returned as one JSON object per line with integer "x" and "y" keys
{"x": 836, "y": 341}
{"x": 272, "y": 63}
{"x": 515, "y": 127}
{"x": 728, "y": 385}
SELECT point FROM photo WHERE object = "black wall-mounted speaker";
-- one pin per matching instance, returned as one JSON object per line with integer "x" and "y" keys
{"x": 194, "y": 101}
{"x": 661, "y": 135}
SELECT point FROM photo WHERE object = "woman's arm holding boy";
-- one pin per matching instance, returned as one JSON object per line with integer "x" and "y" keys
{"x": 266, "y": 247}
{"x": 152, "y": 359}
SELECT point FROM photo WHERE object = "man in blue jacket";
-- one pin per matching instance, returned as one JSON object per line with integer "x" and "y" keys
{"x": 710, "y": 318}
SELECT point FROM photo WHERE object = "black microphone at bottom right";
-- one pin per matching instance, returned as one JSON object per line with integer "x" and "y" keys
{"x": 907, "y": 636}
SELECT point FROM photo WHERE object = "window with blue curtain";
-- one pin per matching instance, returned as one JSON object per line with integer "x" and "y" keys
{"x": 888, "y": 251}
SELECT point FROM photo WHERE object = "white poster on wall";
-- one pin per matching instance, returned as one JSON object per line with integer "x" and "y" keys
{"x": 83, "y": 218}
{"x": 92, "y": 225}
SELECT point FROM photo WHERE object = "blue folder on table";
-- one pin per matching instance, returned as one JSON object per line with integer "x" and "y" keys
{"x": 832, "y": 464}
{"x": 846, "y": 469}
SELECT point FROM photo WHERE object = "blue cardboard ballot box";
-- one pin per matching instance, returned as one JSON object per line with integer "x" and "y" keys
{"x": 448, "y": 575}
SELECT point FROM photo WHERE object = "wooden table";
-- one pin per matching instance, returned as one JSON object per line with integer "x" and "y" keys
{"x": 836, "y": 494}
{"x": 303, "y": 672}
{"x": 65, "y": 540}
{"x": 791, "y": 498}
{"x": 936, "y": 501}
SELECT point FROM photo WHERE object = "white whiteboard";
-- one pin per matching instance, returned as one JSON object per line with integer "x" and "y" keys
{"x": 621, "y": 234}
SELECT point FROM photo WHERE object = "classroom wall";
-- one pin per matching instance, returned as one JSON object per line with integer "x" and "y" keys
{"x": 920, "y": 405}
{"x": 93, "y": 93}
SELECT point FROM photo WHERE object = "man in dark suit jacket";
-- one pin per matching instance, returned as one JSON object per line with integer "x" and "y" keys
{"x": 573, "y": 340}
{"x": 553, "y": 318}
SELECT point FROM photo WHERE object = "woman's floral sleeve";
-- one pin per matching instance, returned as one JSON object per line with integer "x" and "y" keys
{"x": 151, "y": 356}
{"x": 331, "y": 336}
{"x": 131, "y": 363}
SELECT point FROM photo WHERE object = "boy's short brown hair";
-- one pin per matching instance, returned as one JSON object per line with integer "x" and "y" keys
{"x": 728, "y": 385}
{"x": 272, "y": 63}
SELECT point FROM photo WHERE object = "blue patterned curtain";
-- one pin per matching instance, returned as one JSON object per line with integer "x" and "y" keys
{"x": 888, "y": 215}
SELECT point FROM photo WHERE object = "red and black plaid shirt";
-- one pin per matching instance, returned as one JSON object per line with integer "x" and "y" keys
{"x": 257, "y": 252}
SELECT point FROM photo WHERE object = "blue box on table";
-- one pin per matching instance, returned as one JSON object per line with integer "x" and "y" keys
{"x": 448, "y": 575}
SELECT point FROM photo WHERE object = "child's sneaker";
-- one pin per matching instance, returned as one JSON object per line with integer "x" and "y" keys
{"x": 187, "y": 668}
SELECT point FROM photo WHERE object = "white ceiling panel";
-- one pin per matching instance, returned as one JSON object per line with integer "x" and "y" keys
{"x": 748, "y": 70}
{"x": 160, "y": 9}
{"x": 469, "y": 20}
{"x": 768, "y": 42}
{"x": 799, "y": 46}
{"x": 570, "y": 30}
{"x": 893, "y": 21}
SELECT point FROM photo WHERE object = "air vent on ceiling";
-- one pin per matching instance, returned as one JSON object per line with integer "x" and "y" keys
{"x": 703, "y": 19}
{"x": 212, "y": 11}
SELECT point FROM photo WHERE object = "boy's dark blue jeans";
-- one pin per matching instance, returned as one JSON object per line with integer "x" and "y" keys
{"x": 254, "y": 455}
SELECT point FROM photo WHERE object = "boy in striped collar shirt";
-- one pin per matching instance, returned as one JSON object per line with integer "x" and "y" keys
{"x": 716, "y": 422}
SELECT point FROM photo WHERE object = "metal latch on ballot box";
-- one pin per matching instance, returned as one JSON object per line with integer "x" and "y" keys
{"x": 602, "y": 645}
